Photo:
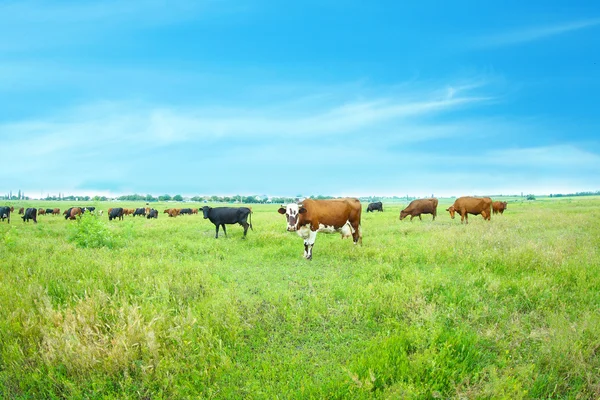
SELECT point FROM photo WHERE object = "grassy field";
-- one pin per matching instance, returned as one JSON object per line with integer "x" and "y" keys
{"x": 501, "y": 309}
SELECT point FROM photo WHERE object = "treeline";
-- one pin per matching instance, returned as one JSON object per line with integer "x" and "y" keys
{"x": 596, "y": 193}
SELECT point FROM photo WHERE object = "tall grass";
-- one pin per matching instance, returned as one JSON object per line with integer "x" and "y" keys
{"x": 160, "y": 309}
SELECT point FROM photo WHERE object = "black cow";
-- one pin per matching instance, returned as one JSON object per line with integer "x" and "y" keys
{"x": 152, "y": 214}
{"x": 139, "y": 211}
{"x": 90, "y": 209}
{"x": 185, "y": 211}
{"x": 5, "y": 213}
{"x": 375, "y": 206}
{"x": 228, "y": 215}
{"x": 30, "y": 213}
{"x": 49, "y": 210}
{"x": 116, "y": 213}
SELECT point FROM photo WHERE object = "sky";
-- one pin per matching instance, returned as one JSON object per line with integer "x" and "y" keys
{"x": 351, "y": 98}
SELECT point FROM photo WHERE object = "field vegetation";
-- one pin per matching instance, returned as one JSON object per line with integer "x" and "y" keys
{"x": 160, "y": 309}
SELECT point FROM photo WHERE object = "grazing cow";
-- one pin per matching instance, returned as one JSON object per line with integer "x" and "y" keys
{"x": 56, "y": 211}
{"x": 228, "y": 215}
{"x": 5, "y": 213}
{"x": 116, "y": 213}
{"x": 139, "y": 211}
{"x": 101, "y": 212}
{"x": 73, "y": 212}
{"x": 48, "y": 211}
{"x": 312, "y": 216}
{"x": 30, "y": 213}
{"x": 194, "y": 211}
{"x": 375, "y": 206}
{"x": 499, "y": 207}
{"x": 418, "y": 207}
{"x": 174, "y": 212}
{"x": 185, "y": 211}
{"x": 152, "y": 214}
{"x": 21, "y": 210}
{"x": 89, "y": 209}
{"x": 41, "y": 211}
{"x": 471, "y": 205}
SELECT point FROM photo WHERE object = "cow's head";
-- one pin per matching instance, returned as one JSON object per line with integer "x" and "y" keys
{"x": 205, "y": 211}
{"x": 451, "y": 210}
{"x": 292, "y": 214}
{"x": 403, "y": 214}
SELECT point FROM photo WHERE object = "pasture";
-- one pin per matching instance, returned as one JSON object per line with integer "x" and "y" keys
{"x": 501, "y": 309}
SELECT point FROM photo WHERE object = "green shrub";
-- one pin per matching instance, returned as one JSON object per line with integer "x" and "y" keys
{"x": 91, "y": 232}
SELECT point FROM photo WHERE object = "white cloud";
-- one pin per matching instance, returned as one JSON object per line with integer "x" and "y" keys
{"x": 535, "y": 33}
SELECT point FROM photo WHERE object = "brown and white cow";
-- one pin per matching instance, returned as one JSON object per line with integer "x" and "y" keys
{"x": 471, "y": 205}
{"x": 312, "y": 216}
{"x": 499, "y": 207}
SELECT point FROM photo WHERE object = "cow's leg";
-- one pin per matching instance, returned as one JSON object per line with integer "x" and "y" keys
{"x": 420, "y": 219}
{"x": 245, "y": 225}
{"x": 224, "y": 230}
{"x": 308, "y": 244}
{"x": 357, "y": 234}
{"x": 217, "y": 231}
{"x": 411, "y": 217}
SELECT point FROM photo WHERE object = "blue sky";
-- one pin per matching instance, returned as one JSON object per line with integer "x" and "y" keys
{"x": 313, "y": 97}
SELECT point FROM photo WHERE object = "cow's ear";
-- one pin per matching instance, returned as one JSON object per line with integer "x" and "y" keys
{"x": 302, "y": 210}
{"x": 281, "y": 210}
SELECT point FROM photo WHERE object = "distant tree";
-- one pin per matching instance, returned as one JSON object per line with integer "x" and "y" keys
{"x": 177, "y": 197}
{"x": 164, "y": 197}
{"x": 530, "y": 197}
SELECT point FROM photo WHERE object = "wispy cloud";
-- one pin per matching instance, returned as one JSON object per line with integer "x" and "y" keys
{"x": 531, "y": 34}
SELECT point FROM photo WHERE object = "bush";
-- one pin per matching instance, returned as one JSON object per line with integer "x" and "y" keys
{"x": 530, "y": 197}
{"x": 90, "y": 232}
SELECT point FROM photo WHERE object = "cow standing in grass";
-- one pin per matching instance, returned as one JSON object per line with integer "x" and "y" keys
{"x": 418, "y": 207}
{"x": 471, "y": 205}
{"x": 499, "y": 207}
{"x": 30, "y": 213}
{"x": 228, "y": 215}
{"x": 312, "y": 216}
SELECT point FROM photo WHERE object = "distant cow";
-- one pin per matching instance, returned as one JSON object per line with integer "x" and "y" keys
{"x": 418, "y": 207}
{"x": 228, "y": 215}
{"x": 56, "y": 211}
{"x": 185, "y": 211}
{"x": 139, "y": 211}
{"x": 48, "y": 211}
{"x": 471, "y": 205}
{"x": 72, "y": 212}
{"x": 152, "y": 214}
{"x": 41, "y": 211}
{"x": 375, "y": 206}
{"x": 88, "y": 209}
{"x": 5, "y": 213}
{"x": 312, "y": 216}
{"x": 116, "y": 213}
{"x": 21, "y": 210}
{"x": 30, "y": 213}
{"x": 499, "y": 207}
{"x": 173, "y": 212}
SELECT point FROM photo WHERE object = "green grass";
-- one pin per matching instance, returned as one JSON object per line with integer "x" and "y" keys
{"x": 160, "y": 309}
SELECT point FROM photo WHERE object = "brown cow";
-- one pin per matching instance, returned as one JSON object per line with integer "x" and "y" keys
{"x": 21, "y": 210}
{"x": 73, "y": 212}
{"x": 173, "y": 212}
{"x": 418, "y": 207}
{"x": 41, "y": 211}
{"x": 312, "y": 216}
{"x": 499, "y": 207}
{"x": 56, "y": 211}
{"x": 194, "y": 211}
{"x": 471, "y": 205}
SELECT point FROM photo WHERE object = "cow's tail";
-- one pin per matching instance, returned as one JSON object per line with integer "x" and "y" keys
{"x": 251, "y": 219}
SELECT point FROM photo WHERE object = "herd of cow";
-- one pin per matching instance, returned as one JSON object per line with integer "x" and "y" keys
{"x": 305, "y": 218}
